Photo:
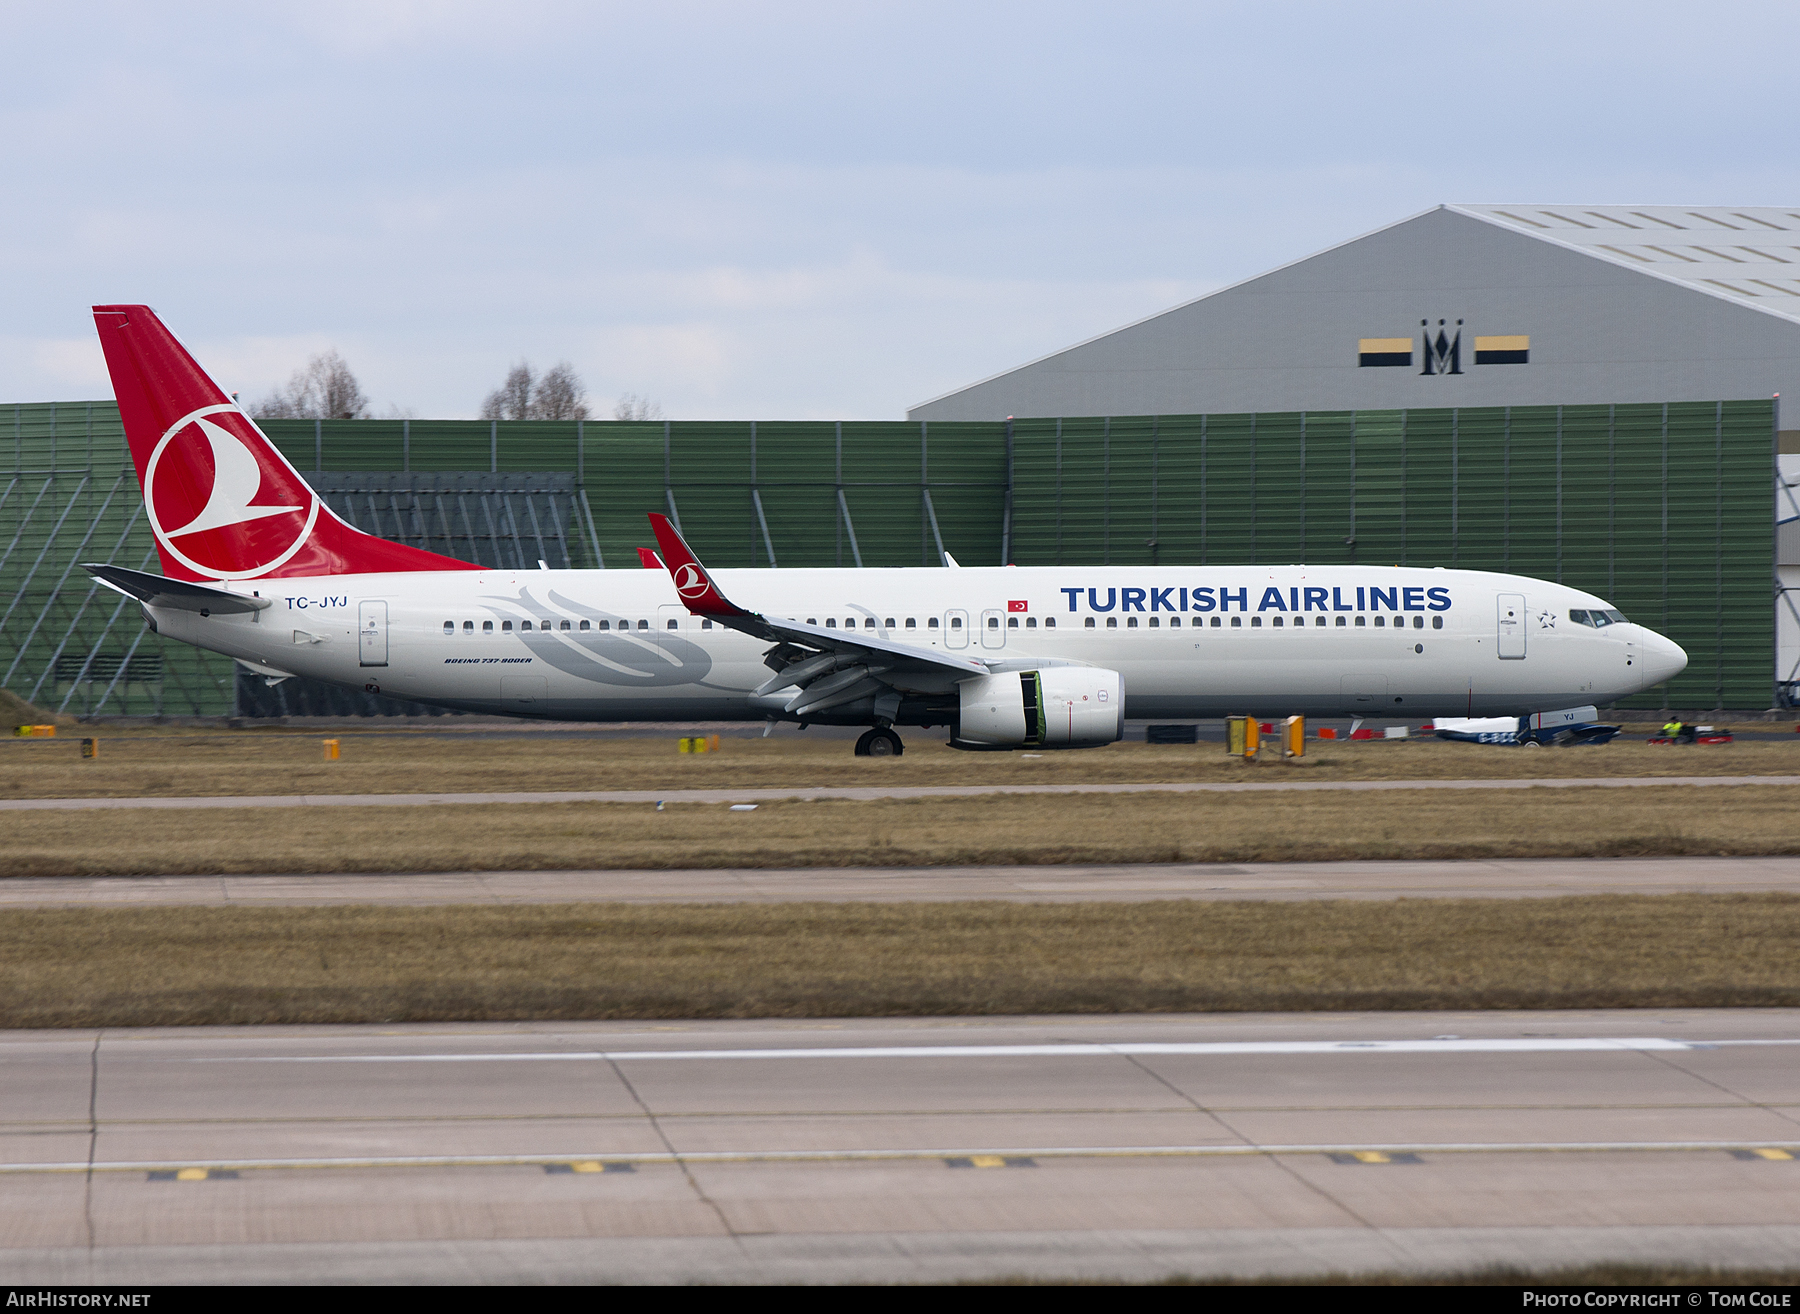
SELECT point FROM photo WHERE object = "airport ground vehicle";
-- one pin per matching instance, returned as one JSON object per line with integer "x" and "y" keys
{"x": 256, "y": 567}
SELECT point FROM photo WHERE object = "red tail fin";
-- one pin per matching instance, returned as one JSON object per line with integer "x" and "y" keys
{"x": 222, "y": 502}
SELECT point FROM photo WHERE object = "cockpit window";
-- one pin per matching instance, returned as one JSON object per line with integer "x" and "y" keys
{"x": 1598, "y": 617}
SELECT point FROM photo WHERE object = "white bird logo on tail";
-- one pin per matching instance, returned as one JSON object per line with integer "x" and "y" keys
{"x": 236, "y": 479}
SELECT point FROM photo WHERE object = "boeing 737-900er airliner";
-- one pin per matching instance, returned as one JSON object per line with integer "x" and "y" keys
{"x": 256, "y": 567}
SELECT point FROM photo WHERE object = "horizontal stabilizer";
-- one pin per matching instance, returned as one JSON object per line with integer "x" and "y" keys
{"x": 156, "y": 591}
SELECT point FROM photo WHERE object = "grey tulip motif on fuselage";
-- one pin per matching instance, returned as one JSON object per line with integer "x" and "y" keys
{"x": 648, "y": 659}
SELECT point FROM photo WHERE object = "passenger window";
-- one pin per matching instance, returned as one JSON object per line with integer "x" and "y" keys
{"x": 956, "y": 622}
{"x": 584, "y": 624}
{"x": 1437, "y": 622}
{"x": 487, "y": 627}
{"x": 706, "y": 625}
{"x": 831, "y": 622}
{"x": 1174, "y": 622}
{"x": 524, "y": 625}
{"x": 850, "y": 623}
{"x": 468, "y": 627}
{"x": 674, "y": 624}
{"x": 1275, "y": 621}
{"x": 1361, "y": 621}
{"x": 1090, "y": 622}
{"x": 1256, "y": 622}
{"x": 812, "y": 620}
{"x": 1131, "y": 622}
{"x": 643, "y": 625}
{"x": 1154, "y": 622}
{"x": 869, "y": 623}
{"x": 912, "y": 622}
{"x": 507, "y": 626}
{"x": 449, "y": 627}
{"x": 1112, "y": 622}
{"x": 1418, "y": 622}
{"x": 606, "y": 625}
{"x": 930, "y": 624}
{"x": 993, "y": 622}
{"x": 1215, "y": 622}
{"x": 565, "y": 625}
{"x": 1319, "y": 622}
{"x": 1012, "y": 622}
{"x": 890, "y": 622}
{"x": 1049, "y": 622}
{"x": 1237, "y": 622}
{"x": 1340, "y": 621}
{"x": 1031, "y": 622}
{"x": 1380, "y": 622}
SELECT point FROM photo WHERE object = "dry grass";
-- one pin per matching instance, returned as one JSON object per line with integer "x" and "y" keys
{"x": 14, "y": 710}
{"x": 1003, "y": 829}
{"x": 207, "y": 966}
{"x": 139, "y": 764}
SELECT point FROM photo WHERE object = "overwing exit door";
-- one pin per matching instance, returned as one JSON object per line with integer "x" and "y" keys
{"x": 993, "y": 631}
{"x": 1510, "y": 618}
{"x": 371, "y": 633}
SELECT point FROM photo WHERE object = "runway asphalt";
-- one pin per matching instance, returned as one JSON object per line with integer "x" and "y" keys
{"x": 1281, "y": 881}
{"x": 900, "y": 1150}
{"x": 754, "y": 795}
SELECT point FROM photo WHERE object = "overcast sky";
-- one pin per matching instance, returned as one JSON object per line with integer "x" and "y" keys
{"x": 796, "y": 210}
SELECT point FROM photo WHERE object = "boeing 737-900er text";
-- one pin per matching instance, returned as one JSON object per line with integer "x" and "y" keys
{"x": 256, "y": 567}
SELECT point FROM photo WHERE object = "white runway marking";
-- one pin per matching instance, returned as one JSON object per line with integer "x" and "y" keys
{"x": 1543, "y": 1045}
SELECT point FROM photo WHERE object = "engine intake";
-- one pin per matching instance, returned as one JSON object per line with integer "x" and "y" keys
{"x": 1060, "y": 707}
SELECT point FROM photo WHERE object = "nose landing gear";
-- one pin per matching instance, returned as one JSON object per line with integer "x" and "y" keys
{"x": 879, "y": 743}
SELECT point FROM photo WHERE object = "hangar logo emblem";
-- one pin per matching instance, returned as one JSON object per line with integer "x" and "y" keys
{"x": 1443, "y": 354}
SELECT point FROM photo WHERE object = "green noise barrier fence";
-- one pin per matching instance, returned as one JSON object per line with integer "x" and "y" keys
{"x": 1666, "y": 510}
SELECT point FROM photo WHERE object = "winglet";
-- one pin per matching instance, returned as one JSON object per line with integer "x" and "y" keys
{"x": 694, "y": 585}
{"x": 649, "y": 560}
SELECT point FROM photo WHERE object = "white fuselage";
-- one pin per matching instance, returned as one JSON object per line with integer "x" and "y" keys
{"x": 1189, "y": 642}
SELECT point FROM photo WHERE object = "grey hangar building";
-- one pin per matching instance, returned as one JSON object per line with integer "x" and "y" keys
{"x": 1589, "y": 394}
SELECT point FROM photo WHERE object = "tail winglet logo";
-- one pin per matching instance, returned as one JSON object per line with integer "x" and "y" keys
{"x": 223, "y": 530}
{"x": 690, "y": 581}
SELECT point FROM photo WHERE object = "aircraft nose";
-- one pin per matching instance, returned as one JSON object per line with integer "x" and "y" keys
{"x": 1661, "y": 659}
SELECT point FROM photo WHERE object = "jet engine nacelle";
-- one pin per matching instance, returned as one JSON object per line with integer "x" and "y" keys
{"x": 1058, "y": 707}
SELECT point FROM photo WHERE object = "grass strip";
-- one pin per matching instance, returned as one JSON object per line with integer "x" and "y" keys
{"x": 999, "y": 829}
{"x": 209, "y": 966}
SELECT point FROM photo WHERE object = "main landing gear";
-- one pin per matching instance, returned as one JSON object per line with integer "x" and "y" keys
{"x": 879, "y": 743}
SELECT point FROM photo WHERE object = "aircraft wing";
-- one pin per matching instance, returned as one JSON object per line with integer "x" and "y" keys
{"x": 826, "y": 667}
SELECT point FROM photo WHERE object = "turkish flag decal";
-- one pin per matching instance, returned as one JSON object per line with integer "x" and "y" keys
{"x": 1018, "y": 604}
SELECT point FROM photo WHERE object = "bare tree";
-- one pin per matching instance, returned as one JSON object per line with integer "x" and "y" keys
{"x": 512, "y": 399}
{"x": 324, "y": 390}
{"x": 559, "y": 395}
{"x": 633, "y": 407}
{"x": 556, "y": 394}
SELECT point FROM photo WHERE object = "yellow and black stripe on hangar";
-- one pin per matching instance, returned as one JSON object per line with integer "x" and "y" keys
{"x": 1383, "y": 351}
{"x": 1504, "y": 349}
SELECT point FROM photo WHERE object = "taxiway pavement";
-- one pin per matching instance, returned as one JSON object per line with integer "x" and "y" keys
{"x": 1099, "y": 1147}
{"x": 858, "y": 792}
{"x": 1280, "y": 881}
